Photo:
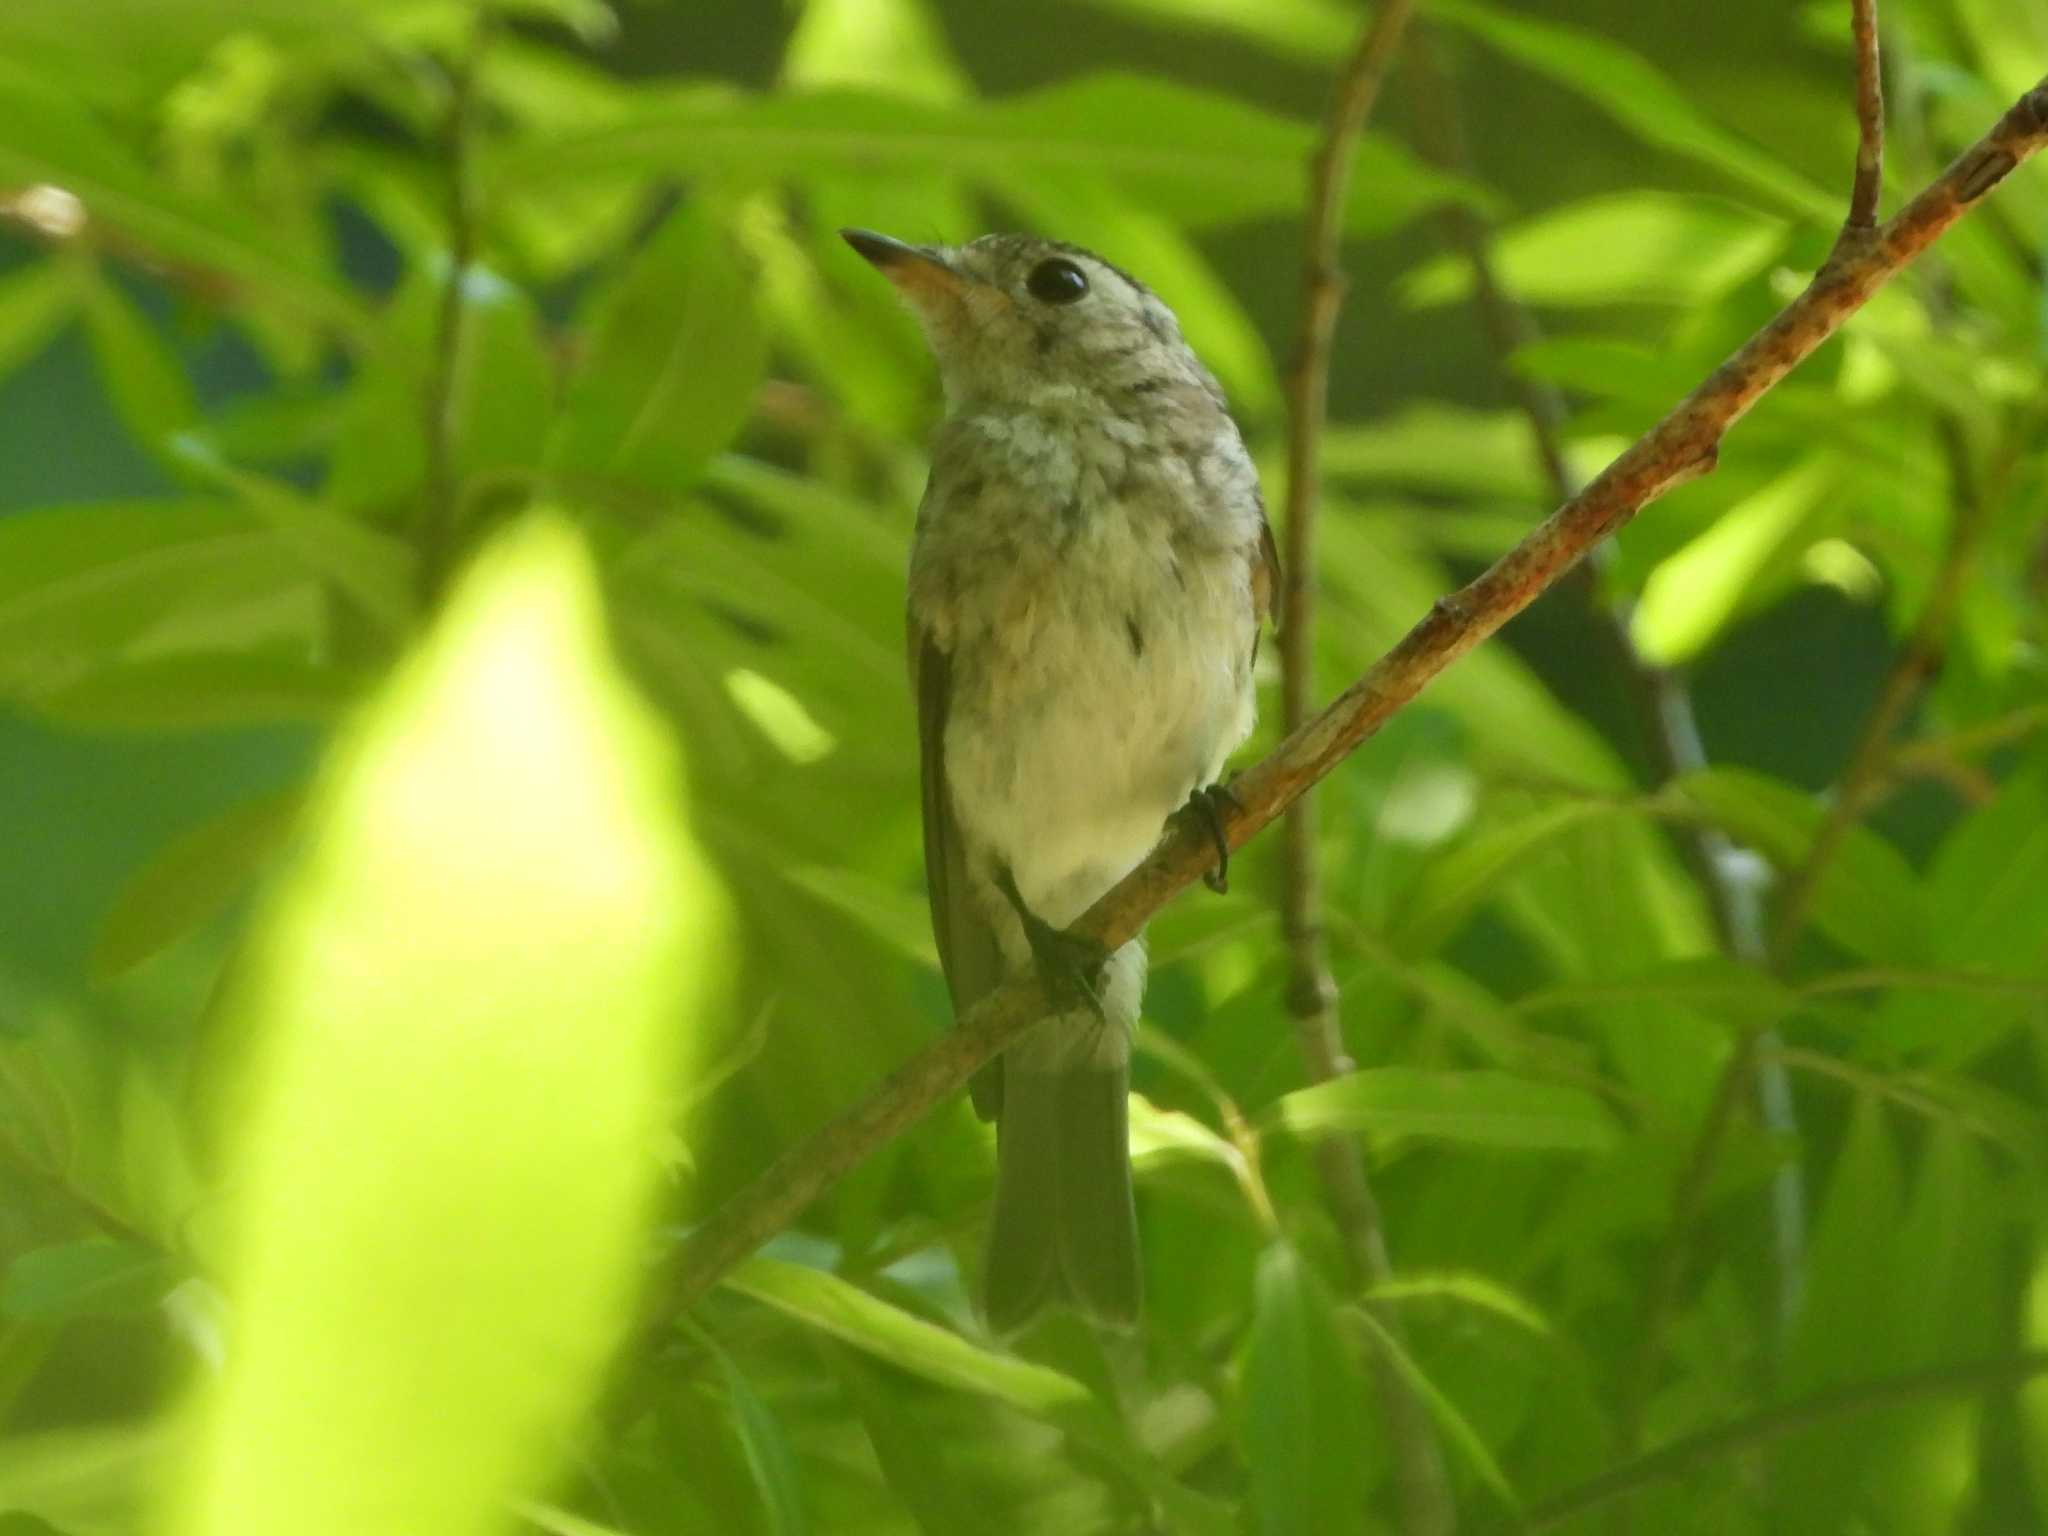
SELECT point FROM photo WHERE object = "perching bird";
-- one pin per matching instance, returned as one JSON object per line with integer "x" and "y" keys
{"x": 1089, "y": 572}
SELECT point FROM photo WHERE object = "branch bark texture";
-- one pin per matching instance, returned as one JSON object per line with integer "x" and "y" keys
{"x": 1682, "y": 445}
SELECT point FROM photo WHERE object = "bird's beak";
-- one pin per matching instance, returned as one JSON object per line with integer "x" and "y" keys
{"x": 919, "y": 273}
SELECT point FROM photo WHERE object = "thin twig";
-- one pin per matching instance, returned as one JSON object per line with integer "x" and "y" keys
{"x": 1858, "y": 1397}
{"x": 1869, "y": 182}
{"x": 1664, "y": 712}
{"x": 440, "y": 511}
{"x": 1684, "y": 444}
{"x": 1426, "y": 1507}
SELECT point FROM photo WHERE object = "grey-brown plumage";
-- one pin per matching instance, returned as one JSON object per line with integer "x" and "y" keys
{"x": 1089, "y": 572}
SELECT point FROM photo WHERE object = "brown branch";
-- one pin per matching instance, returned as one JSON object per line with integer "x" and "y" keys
{"x": 1425, "y": 1496}
{"x": 1846, "y": 1401}
{"x": 440, "y": 509}
{"x": 1869, "y": 181}
{"x": 1682, "y": 445}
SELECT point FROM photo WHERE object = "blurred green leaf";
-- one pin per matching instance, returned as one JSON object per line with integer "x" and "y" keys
{"x": 674, "y": 357}
{"x": 768, "y": 1453}
{"x": 1454, "y": 884}
{"x": 1429, "y": 445}
{"x": 35, "y": 302}
{"x": 1456, "y": 1428}
{"x": 915, "y": 1466}
{"x": 1747, "y": 555}
{"x": 1303, "y": 1403}
{"x": 49, "y": 139}
{"x": 467, "y": 994}
{"x": 1635, "y": 247}
{"x": 1196, "y": 157}
{"x": 190, "y": 879}
{"x": 100, "y": 1277}
{"x": 1867, "y": 899}
{"x": 144, "y": 377}
{"x": 1477, "y": 1109}
{"x": 1637, "y": 95}
{"x": 1311, "y": 30}
{"x": 188, "y": 690}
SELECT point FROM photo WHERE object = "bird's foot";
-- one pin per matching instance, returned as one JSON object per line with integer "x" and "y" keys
{"x": 1205, "y": 804}
{"x": 1069, "y": 965}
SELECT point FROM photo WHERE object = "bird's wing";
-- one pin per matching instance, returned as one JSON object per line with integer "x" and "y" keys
{"x": 1266, "y": 576}
{"x": 967, "y": 943}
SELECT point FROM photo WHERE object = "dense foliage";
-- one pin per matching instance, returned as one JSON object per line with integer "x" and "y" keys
{"x": 365, "y": 960}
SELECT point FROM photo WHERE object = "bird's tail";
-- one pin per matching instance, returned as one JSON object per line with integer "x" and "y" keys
{"x": 1065, "y": 1227}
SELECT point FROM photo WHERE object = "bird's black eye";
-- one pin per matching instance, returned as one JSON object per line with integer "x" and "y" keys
{"x": 1056, "y": 281}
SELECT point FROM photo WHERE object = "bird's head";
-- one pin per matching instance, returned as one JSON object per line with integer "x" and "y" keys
{"x": 1016, "y": 320}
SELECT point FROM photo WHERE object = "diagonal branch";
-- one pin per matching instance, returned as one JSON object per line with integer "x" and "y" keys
{"x": 1684, "y": 444}
{"x": 1426, "y": 1507}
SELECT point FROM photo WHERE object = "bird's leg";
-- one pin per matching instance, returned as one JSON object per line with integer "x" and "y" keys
{"x": 1069, "y": 966}
{"x": 1205, "y": 804}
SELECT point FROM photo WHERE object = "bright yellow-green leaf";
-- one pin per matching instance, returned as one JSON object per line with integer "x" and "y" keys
{"x": 465, "y": 1003}
{"x": 1479, "y": 1109}
{"x": 1692, "y": 594}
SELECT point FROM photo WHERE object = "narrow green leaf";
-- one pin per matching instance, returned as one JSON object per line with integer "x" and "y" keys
{"x": 189, "y": 690}
{"x": 914, "y": 1467}
{"x": 1637, "y": 95}
{"x": 767, "y": 1449}
{"x": 1720, "y": 988}
{"x": 1456, "y": 1427}
{"x": 1432, "y": 446}
{"x": 1636, "y": 247}
{"x": 49, "y": 139}
{"x": 1454, "y": 884}
{"x": 194, "y": 876}
{"x": 465, "y": 1001}
{"x": 1311, "y": 30}
{"x": 35, "y": 301}
{"x": 100, "y": 1277}
{"x": 1303, "y": 1409}
{"x": 142, "y": 375}
{"x": 831, "y": 1305}
{"x": 1479, "y": 1292}
{"x": 1694, "y": 593}
{"x": 1867, "y": 900}
{"x": 1195, "y": 156}
{"x": 1477, "y": 1109}
{"x": 675, "y": 355}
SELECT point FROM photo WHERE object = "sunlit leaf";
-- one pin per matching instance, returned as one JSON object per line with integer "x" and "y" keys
{"x": 1693, "y": 595}
{"x": 1639, "y": 247}
{"x": 1476, "y": 1109}
{"x": 467, "y": 996}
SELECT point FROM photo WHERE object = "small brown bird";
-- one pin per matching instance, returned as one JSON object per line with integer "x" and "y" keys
{"x": 1089, "y": 572}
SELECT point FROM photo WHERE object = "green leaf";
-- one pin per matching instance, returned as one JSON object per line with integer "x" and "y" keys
{"x": 190, "y": 879}
{"x": 1867, "y": 900}
{"x": 1636, "y": 247}
{"x": 144, "y": 378}
{"x": 1748, "y": 554}
{"x": 1194, "y": 156}
{"x": 466, "y": 1001}
{"x": 829, "y": 1304}
{"x": 1454, "y": 884}
{"x": 1476, "y": 1291}
{"x": 1310, "y": 30}
{"x": 46, "y": 138}
{"x": 1455, "y": 1426}
{"x": 370, "y": 566}
{"x": 35, "y": 301}
{"x": 1303, "y": 1403}
{"x": 100, "y": 1277}
{"x": 1637, "y": 95}
{"x": 914, "y": 1467}
{"x": 80, "y": 584}
{"x": 1741, "y": 995}
{"x": 1433, "y": 446}
{"x": 675, "y": 356}
{"x": 767, "y": 1450}
{"x": 190, "y": 690}
{"x": 1475, "y": 1109}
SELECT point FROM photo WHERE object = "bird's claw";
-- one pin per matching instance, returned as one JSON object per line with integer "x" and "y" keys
{"x": 1205, "y": 804}
{"x": 1069, "y": 965}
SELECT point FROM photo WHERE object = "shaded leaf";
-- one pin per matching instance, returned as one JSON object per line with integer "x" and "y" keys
{"x": 100, "y": 1277}
{"x": 1303, "y": 1402}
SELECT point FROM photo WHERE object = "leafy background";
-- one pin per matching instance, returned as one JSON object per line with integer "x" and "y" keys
{"x": 223, "y": 266}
